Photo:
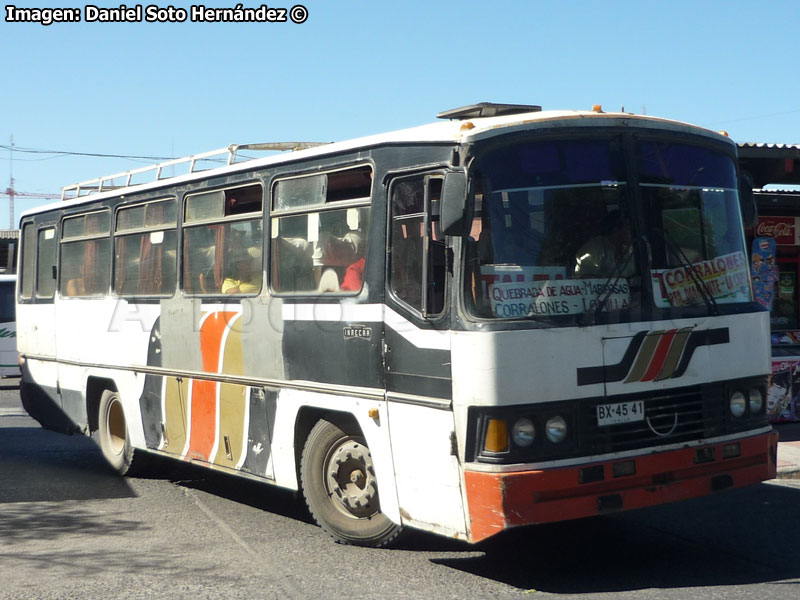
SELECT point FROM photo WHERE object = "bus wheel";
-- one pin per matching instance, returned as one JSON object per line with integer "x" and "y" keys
{"x": 112, "y": 434}
{"x": 340, "y": 488}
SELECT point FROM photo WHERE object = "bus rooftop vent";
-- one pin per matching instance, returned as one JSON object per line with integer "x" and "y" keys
{"x": 487, "y": 109}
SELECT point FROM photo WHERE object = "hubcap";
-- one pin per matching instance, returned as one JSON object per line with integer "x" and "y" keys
{"x": 116, "y": 427}
{"x": 350, "y": 478}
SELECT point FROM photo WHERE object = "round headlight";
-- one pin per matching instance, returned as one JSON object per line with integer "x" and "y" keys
{"x": 523, "y": 432}
{"x": 556, "y": 429}
{"x": 738, "y": 404}
{"x": 756, "y": 400}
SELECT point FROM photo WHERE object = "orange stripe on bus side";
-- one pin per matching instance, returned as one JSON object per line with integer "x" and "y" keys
{"x": 204, "y": 393}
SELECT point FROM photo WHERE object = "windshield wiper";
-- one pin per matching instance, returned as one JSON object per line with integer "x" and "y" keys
{"x": 610, "y": 284}
{"x": 699, "y": 284}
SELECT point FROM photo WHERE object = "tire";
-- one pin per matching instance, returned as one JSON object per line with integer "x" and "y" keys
{"x": 340, "y": 488}
{"x": 112, "y": 434}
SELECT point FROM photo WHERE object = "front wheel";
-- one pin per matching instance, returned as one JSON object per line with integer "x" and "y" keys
{"x": 340, "y": 488}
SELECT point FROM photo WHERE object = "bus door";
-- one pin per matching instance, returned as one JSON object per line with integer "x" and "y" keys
{"x": 83, "y": 308}
{"x": 36, "y": 309}
{"x": 417, "y": 353}
{"x": 417, "y": 347}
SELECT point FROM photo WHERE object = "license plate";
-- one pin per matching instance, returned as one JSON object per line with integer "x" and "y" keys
{"x": 621, "y": 412}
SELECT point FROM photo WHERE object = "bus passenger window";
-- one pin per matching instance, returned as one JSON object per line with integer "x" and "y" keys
{"x": 145, "y": 250}
{"x": 320, "y": 252}
{"x": 223, "y": 240}
{"x": 323, "y": 249}
{"x": 28, "y": 264}
{"x": 45, "y": 263}
{"x": 86, "y": 255}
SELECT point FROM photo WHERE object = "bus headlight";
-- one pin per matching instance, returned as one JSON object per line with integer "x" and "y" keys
{"x": 523, "y": 432}
{"x": 738, "y": 404}
{"x": 556, "y": 429}
{"x": 756, "y": 400}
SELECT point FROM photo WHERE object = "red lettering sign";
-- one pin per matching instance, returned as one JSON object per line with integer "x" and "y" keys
{"x": 783, "y": 229}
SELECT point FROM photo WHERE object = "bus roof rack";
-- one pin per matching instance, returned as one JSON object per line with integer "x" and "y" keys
{"x": 487, "y": 109}
{"x": 223, "y": 156}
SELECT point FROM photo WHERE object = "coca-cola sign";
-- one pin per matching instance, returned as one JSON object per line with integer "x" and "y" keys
{"x": 783, "y": 229}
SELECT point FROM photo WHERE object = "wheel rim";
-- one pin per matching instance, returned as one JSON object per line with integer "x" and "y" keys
{"x": 350, "y": 479}
{"x": 115, "y": 427}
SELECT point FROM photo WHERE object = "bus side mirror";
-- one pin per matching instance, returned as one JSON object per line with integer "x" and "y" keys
{"x": 747, "y": 201}
{"x": 454, "y": 218}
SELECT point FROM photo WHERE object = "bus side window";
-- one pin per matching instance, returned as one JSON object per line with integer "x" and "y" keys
{"x": 45, "y": 263}
{"x": 86, "y": 255}
{"x": 223, "y": 240}
{"x": 28, "y": 264}
{"x": 322, "y": 250}
{"x": 145, "y": 249}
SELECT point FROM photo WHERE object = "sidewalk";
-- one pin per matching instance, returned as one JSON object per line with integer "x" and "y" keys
{"x": 788, "y": 450}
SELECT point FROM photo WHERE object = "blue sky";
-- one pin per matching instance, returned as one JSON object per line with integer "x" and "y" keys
{"x": 358, "y": 67}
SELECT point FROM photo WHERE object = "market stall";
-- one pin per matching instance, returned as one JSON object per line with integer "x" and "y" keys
{"x": 775, "y": 265}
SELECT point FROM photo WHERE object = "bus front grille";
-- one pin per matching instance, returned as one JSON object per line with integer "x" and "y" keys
{"x": 668, "y": 418}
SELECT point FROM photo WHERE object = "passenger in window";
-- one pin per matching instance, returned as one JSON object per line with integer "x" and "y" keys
{"x": 76, "y": 281}
{"x": 354, "y": 276}
{"x": 337, "y": 250}
{"x": 334, "y": 251}
{"x": 602, "y": 254}
{"x": 246, "y": 277}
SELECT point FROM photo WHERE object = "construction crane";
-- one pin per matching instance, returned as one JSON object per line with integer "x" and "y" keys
{"x": 11, "y": 193}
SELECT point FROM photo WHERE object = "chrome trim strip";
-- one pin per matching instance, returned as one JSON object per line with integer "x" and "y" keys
{"x": 306, "y": 386}
{"x": 426, "y": 401}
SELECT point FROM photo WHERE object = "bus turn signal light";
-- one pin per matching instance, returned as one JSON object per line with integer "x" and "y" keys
{"x": 496, "y": 439}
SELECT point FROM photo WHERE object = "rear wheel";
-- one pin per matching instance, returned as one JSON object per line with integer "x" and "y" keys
{"x": 112, "y": 434}
{"x": 340, "y": 487}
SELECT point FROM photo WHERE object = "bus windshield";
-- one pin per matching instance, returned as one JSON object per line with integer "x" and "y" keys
{"x": 560, "y": 231}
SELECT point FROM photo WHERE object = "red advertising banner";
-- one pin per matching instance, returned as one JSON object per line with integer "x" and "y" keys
{"x": 785, "y": 230}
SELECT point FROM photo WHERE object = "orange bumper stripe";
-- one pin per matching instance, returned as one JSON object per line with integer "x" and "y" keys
{"x": 498, "y": 501}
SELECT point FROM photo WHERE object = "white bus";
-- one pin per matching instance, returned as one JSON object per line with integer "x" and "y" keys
{"x": 9, "y": 363}
{"x": 508, "y": 317}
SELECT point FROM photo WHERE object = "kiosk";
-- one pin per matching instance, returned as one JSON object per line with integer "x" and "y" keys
{"x": 775, "y": 264}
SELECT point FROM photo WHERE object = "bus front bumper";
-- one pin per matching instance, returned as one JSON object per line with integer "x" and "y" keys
{"x": 498, "y": 501}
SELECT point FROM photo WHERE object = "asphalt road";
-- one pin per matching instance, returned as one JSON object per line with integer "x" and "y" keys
{"x": 71, "y": 529}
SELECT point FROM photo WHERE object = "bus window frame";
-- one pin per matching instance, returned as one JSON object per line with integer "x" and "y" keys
{"x": 184, "y": 225}
{"x": 36, "y": 295}
{"x": 318, "y": 208}
{"x": 25, "y": 248}
{"x": 421, "y": 312}
{"x": 115, "y": 234}
{"x": 85, "y": 238}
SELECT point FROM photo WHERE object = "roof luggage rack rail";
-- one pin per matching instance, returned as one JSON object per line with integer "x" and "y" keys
{"x": 152, "y": 173}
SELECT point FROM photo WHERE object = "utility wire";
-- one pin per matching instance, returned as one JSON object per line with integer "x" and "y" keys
{"x": 780, "y": 114}
{"x": 69, "y": 153}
